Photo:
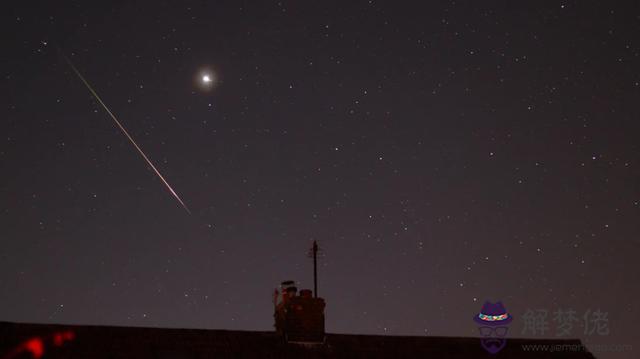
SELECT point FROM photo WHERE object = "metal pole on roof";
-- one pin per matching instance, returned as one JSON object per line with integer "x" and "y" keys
{"x": 315, "y": 269}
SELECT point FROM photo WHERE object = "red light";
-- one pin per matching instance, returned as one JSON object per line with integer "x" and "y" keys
{"x": 69, "y": 335}
{"x": 60, "y": 337}
{"x": 35, "y": 347}
{"x": 57, "y": 339}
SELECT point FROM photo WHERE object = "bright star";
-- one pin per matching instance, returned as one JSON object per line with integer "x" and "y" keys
{"x": 207, "y": 79}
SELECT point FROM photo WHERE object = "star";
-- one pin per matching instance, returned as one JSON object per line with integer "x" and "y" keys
{"x": 206, "y": 79}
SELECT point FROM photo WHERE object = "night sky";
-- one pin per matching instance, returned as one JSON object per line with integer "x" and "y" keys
{"x": 442, "y": 154}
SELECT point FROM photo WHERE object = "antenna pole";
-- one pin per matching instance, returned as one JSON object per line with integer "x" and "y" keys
{"x": 315, "y": 269}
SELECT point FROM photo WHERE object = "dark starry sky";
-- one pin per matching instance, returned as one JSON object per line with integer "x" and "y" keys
{"x": 441, "y": 154}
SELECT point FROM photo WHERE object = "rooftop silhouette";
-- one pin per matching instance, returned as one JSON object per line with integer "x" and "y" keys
{"x": 20, "y": 340}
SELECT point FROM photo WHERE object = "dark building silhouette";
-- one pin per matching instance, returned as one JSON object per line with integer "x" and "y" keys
{"x": 66, "y": 341}
{"x": 298, "y": 318}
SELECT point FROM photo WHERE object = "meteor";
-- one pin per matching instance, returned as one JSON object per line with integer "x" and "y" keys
{"x": 86, "y": 83}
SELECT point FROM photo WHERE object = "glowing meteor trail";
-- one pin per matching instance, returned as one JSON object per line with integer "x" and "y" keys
{"x": 127, "y": 134}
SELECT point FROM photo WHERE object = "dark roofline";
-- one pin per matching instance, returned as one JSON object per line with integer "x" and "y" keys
{"x": 118, "y": 341}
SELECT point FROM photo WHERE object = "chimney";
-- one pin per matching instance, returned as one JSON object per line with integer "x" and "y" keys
{"x": 289, "y": 290}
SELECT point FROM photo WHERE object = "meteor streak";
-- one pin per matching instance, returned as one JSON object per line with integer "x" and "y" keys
{"x": 127, "y": 134}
